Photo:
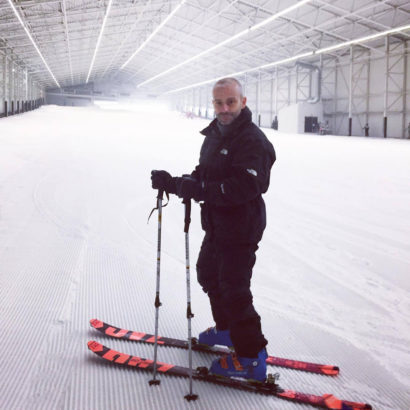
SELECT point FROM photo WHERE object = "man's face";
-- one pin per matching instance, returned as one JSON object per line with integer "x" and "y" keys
{"x": 228, "y": 103}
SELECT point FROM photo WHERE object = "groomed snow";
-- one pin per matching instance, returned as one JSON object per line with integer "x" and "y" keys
{"x": 331, "y": 282}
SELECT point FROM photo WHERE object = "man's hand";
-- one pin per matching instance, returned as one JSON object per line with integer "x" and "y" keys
{"x": 188, "y": 187}
{"x": 163, "y": 180}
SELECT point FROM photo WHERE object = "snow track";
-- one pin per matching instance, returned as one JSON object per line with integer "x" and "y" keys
{"x": 331, "y": 282}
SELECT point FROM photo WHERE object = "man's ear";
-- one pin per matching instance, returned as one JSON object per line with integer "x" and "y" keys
{"x": 243, "y": 102}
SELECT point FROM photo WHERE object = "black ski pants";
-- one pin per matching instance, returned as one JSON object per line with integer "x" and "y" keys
{"x": 224, "y": 270}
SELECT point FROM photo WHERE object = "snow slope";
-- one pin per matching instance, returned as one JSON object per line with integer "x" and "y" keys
{"x": 331, "y": 282}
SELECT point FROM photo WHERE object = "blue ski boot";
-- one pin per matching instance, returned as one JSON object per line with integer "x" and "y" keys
{"x": 212, "y": 337}
{"x": 243, "y": 367}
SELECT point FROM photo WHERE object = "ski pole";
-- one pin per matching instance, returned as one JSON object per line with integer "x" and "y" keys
{"x": 154, "y": 380}
{"x": 189, "y": 314}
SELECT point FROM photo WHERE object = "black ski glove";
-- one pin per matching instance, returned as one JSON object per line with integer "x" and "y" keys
{"x": 164, "y": 181}
{"x": 188, "y": 187}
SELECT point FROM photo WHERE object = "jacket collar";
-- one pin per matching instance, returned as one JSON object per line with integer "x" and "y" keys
{"x": 244, "y": 117}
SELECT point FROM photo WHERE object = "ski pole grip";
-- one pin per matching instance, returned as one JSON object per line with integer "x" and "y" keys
{"x": 189, "y": 313}
{"x": 157, "y": 302}
{"x": 160, "y": 194}
{"x": 187, "y": 220}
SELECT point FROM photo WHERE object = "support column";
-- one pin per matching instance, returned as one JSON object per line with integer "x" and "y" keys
{"x": 258, "y": 99}
{"x": 19, "y": 83}
{"x": 245, "y": 85}
{"x": 404, "y": 91}
{"x": 386, "y": 85}
{"x": 368, "y": 88}
{"x": 271, "y": 100}
{"x": 207, "y": 102}
{"x": 350, "y": 90}
{"x": 30, "y": 88}
{"x": 319, "y": 79}
{"x": 26, "y": 85}
{"x": 335, "y": 100}
{"x": 18, "y": 87}
{"x": 32, "y": 91}
{"x": 193, "y": 101}
{"x": 297, "y": 83}
{"x": 5, "y": 82}
{"x": 289, "y": 83}
{"x": 200, "y": 102}
{"x": 11, "y": 84}
{"x": 276, "y": 90}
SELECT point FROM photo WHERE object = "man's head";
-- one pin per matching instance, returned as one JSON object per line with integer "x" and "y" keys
{"x": 228, "y": 100}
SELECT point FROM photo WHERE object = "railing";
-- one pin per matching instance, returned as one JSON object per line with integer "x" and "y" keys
{"x": 20, "y": 106}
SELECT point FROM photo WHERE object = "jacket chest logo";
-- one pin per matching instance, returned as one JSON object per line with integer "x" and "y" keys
{"x": 223, "y": 151}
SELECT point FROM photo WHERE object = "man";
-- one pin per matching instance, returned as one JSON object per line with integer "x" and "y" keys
{"x": 366, "y": 129}
{"x": 233, "y": 172}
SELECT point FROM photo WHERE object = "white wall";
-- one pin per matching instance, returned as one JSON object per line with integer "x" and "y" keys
{"x": 288, "y": 119}
{"x": 292, "y": 117}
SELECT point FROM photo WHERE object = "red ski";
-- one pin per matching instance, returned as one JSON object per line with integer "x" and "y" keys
{"x": 268, "y": 388}
{"x": 119, "y": 333}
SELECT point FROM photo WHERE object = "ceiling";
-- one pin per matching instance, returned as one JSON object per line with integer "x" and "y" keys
{"x": 163, "y": 35}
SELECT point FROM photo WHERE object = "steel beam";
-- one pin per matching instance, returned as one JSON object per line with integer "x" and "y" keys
{"x": 405, "y": 92}
{"x": 335, "y": 99}
{"x": 258, "y": 98}
{"x": 368, "y": 87}
{"x": 276, "y": 90}
{"x": 12, "y": 82}
{"x": 5, "y": 75}
{"x": 350, "y": 90}
{"x": 386, "y": 85}
{"x": 271, "y": 98}
{"x": 289, "y": 85}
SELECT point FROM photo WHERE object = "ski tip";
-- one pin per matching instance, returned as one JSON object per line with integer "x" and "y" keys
{"x": 96, "y": 323}
{"x": 95, "y": 346}
{"x": 330, "y": 370}
{"x": 333, "y": 402}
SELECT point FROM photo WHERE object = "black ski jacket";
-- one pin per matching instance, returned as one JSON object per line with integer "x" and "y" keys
{"x": 234, "y": 171}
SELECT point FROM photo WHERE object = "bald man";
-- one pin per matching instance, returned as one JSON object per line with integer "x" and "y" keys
{"x": 233, "y": 173}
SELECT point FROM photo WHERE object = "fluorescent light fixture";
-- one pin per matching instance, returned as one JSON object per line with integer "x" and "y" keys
{"x": 229, "y": 40}
{"x": 363, "y": 39}
{"x": 63, "y": 5}
{"x": 238, "y": 73}
{"x": 33, "y": 42}
{"x": 299, "y": 56}
{"x": 153, "y": 33}
{"x": 279, "y": 14}
{"x": 219, "y": 13}
{"x": 286, "y": 60}
{"x": 107, "y": 12}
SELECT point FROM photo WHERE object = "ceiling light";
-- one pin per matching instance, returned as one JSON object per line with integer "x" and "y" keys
{"x": 99, "y": 40}
{"x": 228, "y": 40}
{"x": 239, "y": 73}
{"x": 299, "y": 56}
{"x": 153, "y": 33}
{"x": 362, "y": 39}
{"x": 32, "y": 41}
